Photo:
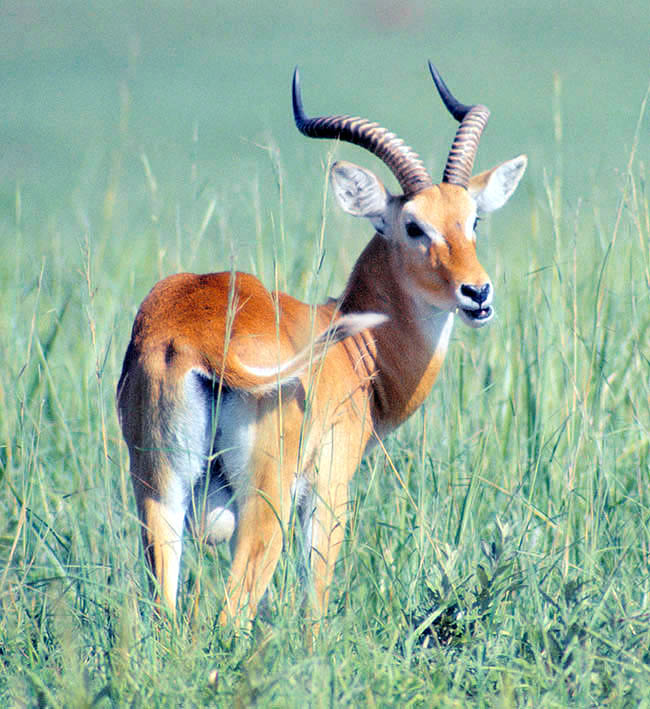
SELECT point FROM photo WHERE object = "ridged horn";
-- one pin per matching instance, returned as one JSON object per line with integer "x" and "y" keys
{"x": 403, "y": 162}
{"x": 460, "y": 161}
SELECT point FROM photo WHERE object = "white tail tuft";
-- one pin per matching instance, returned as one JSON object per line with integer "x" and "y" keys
{"x": 272, "y": 378}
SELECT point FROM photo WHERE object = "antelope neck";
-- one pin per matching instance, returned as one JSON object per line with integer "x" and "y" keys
{"x": 402, "y": 357}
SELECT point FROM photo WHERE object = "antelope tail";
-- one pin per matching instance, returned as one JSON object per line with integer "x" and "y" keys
{"x": 270, "y": 379}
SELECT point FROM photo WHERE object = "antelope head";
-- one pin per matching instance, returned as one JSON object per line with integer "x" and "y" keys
{"x": 430, "y": 227}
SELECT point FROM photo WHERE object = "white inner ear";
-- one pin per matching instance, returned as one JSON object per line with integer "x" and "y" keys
{"x": 494, "y": 189}
{"x": 358, "y": 191}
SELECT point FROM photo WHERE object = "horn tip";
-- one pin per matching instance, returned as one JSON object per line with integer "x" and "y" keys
{"x": 438, "y": 80}
{"x": 452, "y": 104}
{"x": 434, "y": 72}
{"x": 296, "y": 95}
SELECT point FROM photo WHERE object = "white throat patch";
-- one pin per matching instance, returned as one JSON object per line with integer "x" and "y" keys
{"x": 437, "y": 326}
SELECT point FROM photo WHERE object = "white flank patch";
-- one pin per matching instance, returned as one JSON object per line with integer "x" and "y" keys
{"x": 237, "y": 420}
{"x": 188, "y": 436}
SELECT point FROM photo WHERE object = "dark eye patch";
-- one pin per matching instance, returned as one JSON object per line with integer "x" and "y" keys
{"x": 414, "y": 230}
{"x": 476, "y": 221}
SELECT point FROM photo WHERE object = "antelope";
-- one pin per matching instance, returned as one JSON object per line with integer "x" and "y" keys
{"x": 242, "y": 407}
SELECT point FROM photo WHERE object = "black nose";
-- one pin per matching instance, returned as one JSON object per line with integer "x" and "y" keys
{"x": 477, "y": 293}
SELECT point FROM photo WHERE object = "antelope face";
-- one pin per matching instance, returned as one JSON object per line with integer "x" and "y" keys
{"x": 433, "y": 232}
{"x": 436, "y": 234}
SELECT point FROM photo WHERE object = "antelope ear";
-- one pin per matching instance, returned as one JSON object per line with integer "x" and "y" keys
{"x": 493, "y": 188}
{"x": 360, "y": 193}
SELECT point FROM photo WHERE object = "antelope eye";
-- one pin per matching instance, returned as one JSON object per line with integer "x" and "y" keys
{"x": 476, "y": 221}
{"x": 413, "y": 230}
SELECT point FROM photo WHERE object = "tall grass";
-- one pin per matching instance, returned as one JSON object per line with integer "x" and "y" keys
{"x": 498, "y": 546}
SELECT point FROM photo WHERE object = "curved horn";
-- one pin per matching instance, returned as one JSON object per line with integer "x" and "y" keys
{"x": 472, "y": 119}
{"x": 393, "y": 151}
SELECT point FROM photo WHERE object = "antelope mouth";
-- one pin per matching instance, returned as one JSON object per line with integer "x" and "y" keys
{"x": 476, "y": 317}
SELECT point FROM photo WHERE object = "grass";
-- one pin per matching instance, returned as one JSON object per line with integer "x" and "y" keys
{"x": 498, "y": 549}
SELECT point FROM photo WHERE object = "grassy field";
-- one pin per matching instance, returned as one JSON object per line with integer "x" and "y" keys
{"x": 498, "y": 551}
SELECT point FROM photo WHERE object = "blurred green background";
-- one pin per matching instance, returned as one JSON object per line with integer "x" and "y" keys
{"x": 82, "y": 80}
